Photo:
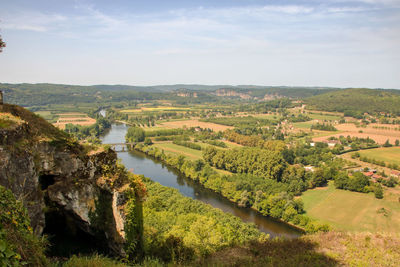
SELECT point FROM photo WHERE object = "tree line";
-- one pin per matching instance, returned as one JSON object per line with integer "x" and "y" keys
{"x": 268, "y": 196}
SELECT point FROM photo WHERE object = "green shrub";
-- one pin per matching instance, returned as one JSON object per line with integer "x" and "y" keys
{"x": 92, "y": 261}
{"x": 18, "y": 244}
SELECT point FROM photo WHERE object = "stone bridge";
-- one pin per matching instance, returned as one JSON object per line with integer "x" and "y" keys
{"x": 121, "y": 147}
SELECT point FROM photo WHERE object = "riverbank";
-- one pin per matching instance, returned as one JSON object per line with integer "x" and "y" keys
{"x": 140, "y": 163}
{"x": 305, "y": 224}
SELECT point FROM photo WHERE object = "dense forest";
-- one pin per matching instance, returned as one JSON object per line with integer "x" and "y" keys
{"x": 178, "y": 228}
{"x": 356, "y": 102}
{"x": 35, "y": 95}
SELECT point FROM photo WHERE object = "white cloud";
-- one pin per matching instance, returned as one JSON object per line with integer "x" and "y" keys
{"x": 253, "y": 44}
{"x": 381, "y": 2}
{"x": 31, "y": 21}
{"x": 24, "y": 27}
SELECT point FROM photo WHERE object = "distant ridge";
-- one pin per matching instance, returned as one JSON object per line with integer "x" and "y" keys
{"x": 358, "y": 101}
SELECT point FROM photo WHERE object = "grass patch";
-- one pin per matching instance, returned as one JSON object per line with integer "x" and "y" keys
{"x": 352, "y": 211}
{"x": 232, "y": 145}
{"x": 170, "y": 148}
{"x": 155, "y": 128}
{"x": 325, "y": 133}
{"x": 303, "y": 125}
{"x": 180, "y": 150}
{"x": 386, "y": 154}
{"x": 92, "y": 261}
{"x": 323, "y": 117}
{"x": 7, "y": 120}
{"x": 47, "y": 115}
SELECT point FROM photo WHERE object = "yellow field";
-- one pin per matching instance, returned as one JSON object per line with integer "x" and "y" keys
{"x": 379, "y": 135}
{"x": 352, "y": 211}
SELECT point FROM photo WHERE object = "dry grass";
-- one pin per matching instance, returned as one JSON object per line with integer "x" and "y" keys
{"x": 38, "y": 127}
{"x": 7, "y": 120}
{"x": 74, "y": 118}
{"x": 379, "y": 135}
{"x": 323, "y": 249}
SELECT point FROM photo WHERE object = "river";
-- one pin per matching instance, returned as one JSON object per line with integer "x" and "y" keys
{"x": 140, "y": 163}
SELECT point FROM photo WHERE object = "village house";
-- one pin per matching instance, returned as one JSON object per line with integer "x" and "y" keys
{"x": 369, "y": 174}
{"x": 376, "y": 176}
{"x": 332, "y": 143}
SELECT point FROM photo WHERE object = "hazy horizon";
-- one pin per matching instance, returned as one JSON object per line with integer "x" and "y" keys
{"x": 245, "y": 86}
{"x": 317, "y": 43}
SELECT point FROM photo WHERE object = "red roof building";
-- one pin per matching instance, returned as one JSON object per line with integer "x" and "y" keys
{"x": 369, "y": 174}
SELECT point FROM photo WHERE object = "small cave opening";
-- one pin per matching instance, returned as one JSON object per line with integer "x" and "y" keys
{"x": 45, "y": 180}
{"x": 66, "y": 238}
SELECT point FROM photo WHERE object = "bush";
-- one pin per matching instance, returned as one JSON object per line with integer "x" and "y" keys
{"x": 216, "y": 143}
{"x": 187, "y": 144}
{"x": 148, "y": 141}
{"x": 18, "y": 244}
{"x": 323, "y": 127}
{"x": 387, "y": 144}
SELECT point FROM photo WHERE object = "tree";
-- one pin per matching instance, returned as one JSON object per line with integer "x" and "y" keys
{"x": 387, "y": 144}
{"x": 397, "y": 142}
{"x": 135, "y": 134}
{"x": 378, "y": 191}
{"x": 2, "y": 44}
{"x": 358, "y": 182}
{"x": 342, "y": 180}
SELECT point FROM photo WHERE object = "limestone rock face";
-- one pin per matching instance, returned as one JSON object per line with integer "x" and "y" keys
{"x": 46, "y": 173}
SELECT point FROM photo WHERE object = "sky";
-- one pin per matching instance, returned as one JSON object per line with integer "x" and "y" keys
{"x": 334, "y": 43}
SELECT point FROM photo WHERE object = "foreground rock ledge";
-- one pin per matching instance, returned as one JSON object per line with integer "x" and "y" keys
{"x": 47, "y": 172}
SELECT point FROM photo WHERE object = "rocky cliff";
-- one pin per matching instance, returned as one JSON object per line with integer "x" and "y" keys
{"x": 56, "y": 177}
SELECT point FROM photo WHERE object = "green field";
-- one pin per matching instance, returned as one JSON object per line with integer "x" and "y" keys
{"x": 154, "y": 128}
{"x": 352, "y": 211}
{"x": 232, "y": 145}
{"x": 193, "y": 154}
{"x": 327, "y": 117}
{"x": 267, "y": 116}
{"x": 47, "y": 115}
{"x": 387, "y": 154}
{"x": 317, "y": 133}
{"x": 303, "y": 125}
{"x": 150, "y": 109}
{"x": 179, "y": 150}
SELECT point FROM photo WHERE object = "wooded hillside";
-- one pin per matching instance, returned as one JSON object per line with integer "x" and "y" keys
{"x": 357, "y": 101}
